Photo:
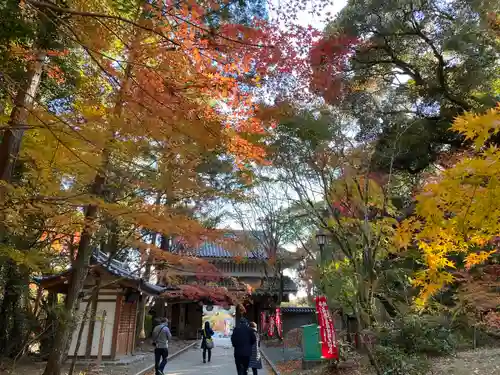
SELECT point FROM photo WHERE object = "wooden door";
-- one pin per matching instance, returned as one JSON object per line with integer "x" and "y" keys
{"x": 126, "y": 329}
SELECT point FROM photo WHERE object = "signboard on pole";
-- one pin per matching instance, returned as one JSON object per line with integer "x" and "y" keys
{"x": 329, "y": 349}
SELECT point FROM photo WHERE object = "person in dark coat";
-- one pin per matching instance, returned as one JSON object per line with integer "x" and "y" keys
{"x": 242, "y": 339}
{"x": 255, "y": 359}
{"x": 206, "y": 334}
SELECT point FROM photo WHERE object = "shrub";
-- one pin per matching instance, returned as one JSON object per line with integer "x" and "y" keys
{"x": 419, "y": 334}
{"x": 347, "y": 351}
{"x": 404, "y": 344}
{"x": 394, "y": 361}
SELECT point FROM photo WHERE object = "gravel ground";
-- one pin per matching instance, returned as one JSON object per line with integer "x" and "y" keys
{"x": 483, "y": 361}
{"x": 473, "y": 362}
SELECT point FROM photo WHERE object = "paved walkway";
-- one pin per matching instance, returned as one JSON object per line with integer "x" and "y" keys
{"x": 191, "y": 363}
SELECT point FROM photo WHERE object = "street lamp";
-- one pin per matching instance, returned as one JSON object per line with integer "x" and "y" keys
{"x": 321, "y": 241}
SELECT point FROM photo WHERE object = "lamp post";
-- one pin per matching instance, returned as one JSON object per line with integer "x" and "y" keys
{"x": 321, "y": 238}
{"x": 321, "y": 241}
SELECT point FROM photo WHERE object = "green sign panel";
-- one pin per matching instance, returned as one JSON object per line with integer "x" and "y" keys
{"x": 310, "y": 342}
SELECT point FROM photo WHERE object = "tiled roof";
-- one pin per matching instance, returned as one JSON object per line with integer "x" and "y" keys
{"x": 114, "y": 267}
{"x": 298, "y": 310}
{"x": 119, "y": 269}
{"x": 214, "y": 250}
{"x": 234, "y": 243}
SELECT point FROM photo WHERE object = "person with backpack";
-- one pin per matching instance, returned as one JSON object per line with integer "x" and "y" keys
{"x": 161, "y": 336}
{"x": 207, "y": 343}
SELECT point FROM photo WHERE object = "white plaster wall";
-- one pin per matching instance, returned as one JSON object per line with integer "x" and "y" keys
{"x": 108, "y": 328}
{"x": 81, "y": 350}
{"x": 110, "y": 308}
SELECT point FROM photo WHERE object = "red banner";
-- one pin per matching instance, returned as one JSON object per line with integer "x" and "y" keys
{"x": 270, "y": 330}
{"x": 328, "y": 338}
{"x": 279, "y": 323}
{"x": 263, "y": 322}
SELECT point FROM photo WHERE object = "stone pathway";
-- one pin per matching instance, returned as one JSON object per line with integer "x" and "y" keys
{"x": 191, "y": 363}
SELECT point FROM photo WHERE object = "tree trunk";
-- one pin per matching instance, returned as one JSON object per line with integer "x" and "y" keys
{"x": 79, "y": 337}
{"x": 6, "y": 308}
{"x": 20, "y": 330}
{"x": 140, "y": 332}
{"x": 80, "y": 270}
{"x": 23, "y": 103}
{"x": 13, "y": 311}
{"x": 93, "y": 316}
{"x": 48, "y": 338}
{"x": 9, "y": 150}
{"x": 81, "y": 264}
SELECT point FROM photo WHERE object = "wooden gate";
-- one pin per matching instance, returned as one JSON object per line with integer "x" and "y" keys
{"x": 126, "y": 329}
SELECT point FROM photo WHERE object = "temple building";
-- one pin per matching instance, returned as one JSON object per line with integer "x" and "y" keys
{"x": 109, "y": 301}
{"x": 247, "y": 275}
{"x": 244, "y": 276}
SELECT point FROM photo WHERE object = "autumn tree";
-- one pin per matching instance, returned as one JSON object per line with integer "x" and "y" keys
{"x": 141, "y": 98}
{"x": 31, "y": 47}
{"x": 329, "y": 178}
{"x": 456, "y": 225}
{"x": 416, "y": 65}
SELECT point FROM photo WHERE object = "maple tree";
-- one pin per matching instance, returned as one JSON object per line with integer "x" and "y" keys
{"x": 455, "y": 215}
{"x": 330, "y": 183}
{"x": 113, "y": 124}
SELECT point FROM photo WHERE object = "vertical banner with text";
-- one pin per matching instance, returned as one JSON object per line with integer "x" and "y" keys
{"x": 270, "y": 330}
{"x": 279, "y": 323}
{"x": 328, "y": 338}
{"x": 263, "y": 321}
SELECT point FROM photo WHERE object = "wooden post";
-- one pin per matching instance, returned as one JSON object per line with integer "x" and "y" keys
{"x": 116, "y": 325}
{"x": 182, "y": 319}
{"x": 101, "y": 339}
{"x": 129, "y": 314}
{"x": 134, "y": 324}
{"x": 169, "y": 313}
{"x": 93, "y": 316}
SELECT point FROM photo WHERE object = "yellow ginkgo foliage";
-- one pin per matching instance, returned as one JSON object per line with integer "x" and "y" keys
{"x": 458, "y": 212}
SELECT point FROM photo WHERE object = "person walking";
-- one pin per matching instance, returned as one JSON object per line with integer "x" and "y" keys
{"x": 161, "y": 336}
{"x": 255, "y": 359}
{"x": 207, "y": 343}
{"x": 242, "y": 339}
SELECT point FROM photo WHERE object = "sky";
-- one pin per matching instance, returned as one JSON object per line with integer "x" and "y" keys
{"x": 305, "y": 17}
